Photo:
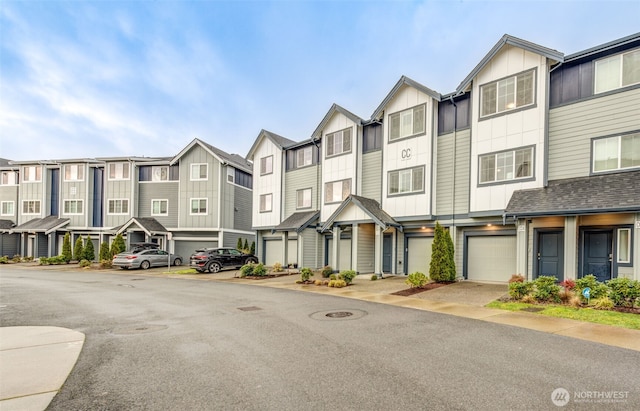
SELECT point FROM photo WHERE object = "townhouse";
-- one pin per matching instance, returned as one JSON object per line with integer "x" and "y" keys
{"x": 532, "y": 163}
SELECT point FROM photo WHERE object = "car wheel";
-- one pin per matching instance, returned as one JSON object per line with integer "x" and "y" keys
{"x": 251, "y": 260}
{"x": 145, "y": 264}
{"x": 214, "y": 267}
{"x": 177, "y": 262}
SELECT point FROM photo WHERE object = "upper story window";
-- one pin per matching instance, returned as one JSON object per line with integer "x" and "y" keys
{"x": 241, "y": 178}
{"x": 31, "y": 207}
{"x": 506, "y": 165}
{"x": 32, "y": 174}
{"x": 372, "y": 135}
{"x": 159, "y": 173}
{"x": 266, "y": 202}
{"x": 73, "y": 172}
{"x": 338, "y": 142}
{"x": 72, "y": 207}
{"x": 410, "y": 180}
{"x": 8, "y": 208}
{"x": 304, "y": 157}
{"x": 616, "y": 153}
{"x": 303, "y": 198}
{"x": 118, "y": 171}
{"x": 266, "y": 165}
{"x": 507, "y": 94}
{"x": 198, "y": 206}
{"x": 118, "y": 206}
{"x": 407, "y": 123}
{"x": 617, "y": 71}
{"x": 9, "y": 178}
{"x": 159, "y": 207}
{"x": 336, "y": 191}
{"x": 199, "y": 172}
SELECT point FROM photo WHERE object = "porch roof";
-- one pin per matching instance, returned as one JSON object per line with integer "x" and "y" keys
{"x": 297, "y": 221}
{"x": 41, "y": 225}
{"x": 149, "y": 225}
{"x": 607, "y": 193}
{"x": 369, "y": 206}
{"x": 6, "y": 225}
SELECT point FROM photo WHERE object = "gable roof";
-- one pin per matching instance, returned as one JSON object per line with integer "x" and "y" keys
{"x": 297, "y": 221}
{"x": 234, "y": 160}
{"x": 317, "y": 133}
{"x": 603, "y": 47}
{"x": 149, "y": 225}
{"x": 513, "y": 41}
{"x": 404, "y": 81}
{"x": 45, "y": 225}
{"x": 618, "y": 192}
{"x": 6, "y": 225}
{"x": 369, "y": 206}
{"x": 279, "y": 141}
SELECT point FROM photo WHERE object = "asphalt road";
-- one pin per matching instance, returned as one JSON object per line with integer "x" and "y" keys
{"x": 176, "y": 344}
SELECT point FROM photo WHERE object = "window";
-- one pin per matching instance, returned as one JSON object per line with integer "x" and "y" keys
{"x": 507, "y": 94}
{"x": 73, "y": 172}
{"x": 337, "y": 191}
{"x": 338, "y": 142}
{"x": 8, "y": 208}
{"x": 615, "y": 153}
{"x": 618, "y": 71}
{"x": 72, "y": 207}
{"x": 266, "y": 202}
{"x": 31, "y": 174}
{"x": 266, "y": 165}
{"x": 506, "y": 165}
{"x": 118, "y": 171}
{"x": 406, "y": 123}
{"x": 118, "y": 206}
{"x": 198, "y": 206}
{"x": 9, "y": 178}
{"x": 160, "y": 173}
{"x": 199, "y": 172}
{"x": 624, "y": 245}
{"x": 243, "y": 179}
{"x": 159, "y": 207}
{"x": 303, "y": 198}
{"x": 304, "y": 157}
{"x": 31, "y": 207}
{"x": 410, "y": 180}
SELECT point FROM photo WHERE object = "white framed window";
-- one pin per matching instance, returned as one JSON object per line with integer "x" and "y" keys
{"x": 506, "y": 165}
{"x": 266, "y": 165}
{"x": 199, "y": 172}
{"x": 118, "y": 206}
{"x": 31, "y": 207}
{"x": 617, "y": 71}
{"x": 304, "y": 157}
{"x": 119, "y": 171}
{"x": 338, "y": 142}
{"x": 407, "y": 123}
{"x": 231, "y": 174}
{"x": 7, "y": 208}
{"x": 336, "y": 191}
{"x": 616, "y": 153}
{"x": 624, "y": 246}
{"x": 31, "y": 174}
{"x": 72, "y": 207}
{"x": 159, "y": 173}
{"x": 198, "y": 206}
{"x": 507, "y": 94}
{"x": 409, "y": 180}
{"x": 73, "y": 172}
{"x": 303, "y": 198}
{"x": 159, "y": 207}
{"x": 266, "y": 203}
{"x": 8, "y": 178}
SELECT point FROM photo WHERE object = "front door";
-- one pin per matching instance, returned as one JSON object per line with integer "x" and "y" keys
{"x": 597, "y": 254}
{"x": 387, "y": 246}
{"x": 550, "y": 256}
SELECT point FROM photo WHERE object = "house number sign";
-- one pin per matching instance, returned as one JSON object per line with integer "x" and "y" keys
{"x": 406, "y": 154}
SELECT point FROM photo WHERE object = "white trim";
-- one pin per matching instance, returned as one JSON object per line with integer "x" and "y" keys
{"x": 628, "y": 243}
{"x": 122, "y": 200}
{"x": 81, "y": 202}
{"x": 206, "y": 205}
{"x": 34, "y": 203}
{"x": 159, "y": 214}
{"x": 73, "y": 176}
{"x": 191, "y": 176}
{"x": 13, "y": 207}
{"x": 120, "y": 169}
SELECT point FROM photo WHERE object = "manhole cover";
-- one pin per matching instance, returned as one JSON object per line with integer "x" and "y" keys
{"x": 337, "y": 315}
{"x": 139, "y": 329}
{"x": 532, "y": 309}
{"x": 249, "y": 308}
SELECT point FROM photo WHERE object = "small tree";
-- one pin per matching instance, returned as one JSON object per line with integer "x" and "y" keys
{"x": 66, "y": 248}
{"x": 246, "y": 245}
{"x": 117, "y": 246}
{"x": 78, "y": 249}
{"x": 442, "y": 267}
{"x": 253, "y": 248}
{"x": 89, "y": 250}
{"x": 239, "y": 244}
{"x": 105, "y": 253}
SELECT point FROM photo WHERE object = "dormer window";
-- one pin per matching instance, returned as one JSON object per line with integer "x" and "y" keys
{"x": 507, "y": 94}
{"x": 407, "y": 123}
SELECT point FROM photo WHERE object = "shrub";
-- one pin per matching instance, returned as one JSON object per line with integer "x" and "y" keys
{"x": 84, "y": 263}
{"x": 442, "y": 267}
{"x": 108, "y": 263}
{"x": 57, "y": 260}
{"x": 545, "y": 289}
{"x": 117, "y": 246}
{"x": 333, "y": 277}
{"x": 277, "y": 267}
{"x": 88, "y": 252}
{"x": 374, "y": 277}
{"x": 16, "y": 258}
{"x": 416, "y": 280}
{"x": 337, "y": 283}
{"x": 252, "y": 250}
{"x": 568, "y": 284}
{"x": 516, "y": 278}
{"x": 602, "y": 303}
{"x": 239, "y": 244}
{"x": 78, "y": 250}
{"x": 326, "y": 271}
{"x": 247, "y": 269}
{"x": 566, "y": 295}
{"x": 624, "y": 291}
{"x": 575, "y": 301}
{"x": 259, "y": 270}
{"x": 348, "y": 276}
{"x": 4, "y": 259}
{"x": 518, "y": 290}
{"x": 528, "y": 299}
{"x": 305, "y": 274}
{"x": 105, "y": 253}
{"x": 332, "y": 283}
{"x": 66, "y": 247}
{"x": 318, "y": 282}
{"x": 27, "y": 258}
{"x": 598, "y": 289}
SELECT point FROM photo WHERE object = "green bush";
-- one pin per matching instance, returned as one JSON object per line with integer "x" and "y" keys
{"x": 259, "y": 270}
{"x": 417, "y": 280}
{"x": 4, "y": 259}
{"x": 442, "y": 267}
{"x": 546, "y": 289}
{"x": 84, "y": 263}
{"x": 66, "y": 247}
{"x": 348, "y": 276}
{"x": 327, "y": 271}
{"x": 104, "y": 253}
{"x": 28, "y": 258}
{"x": 57, "y": 260}
{"x": 277, "y": 267}
{"x": 598, "y": 289}
{"x": 106, "y": 263}
{"x": 16, "y": 258}
{"x": 305, "y": 274}
{"x": 117, "y": 246}
{"x": 602, "y": 303}
{"x": 337, "y": 283}
{"x": 239, "y": 244}
{"x": 624, "y": 292}
{"x": 246, "y": 270}
{"x": 89, "y": 252}
{"x": 518, "y": 290}
{"x": 78, "y": 249}
{"x": 252, "y": 249}
{"x": 374, "y": 277}
{"x": 333, "y": 277}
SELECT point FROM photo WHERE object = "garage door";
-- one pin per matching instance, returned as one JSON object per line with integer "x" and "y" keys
{"x": 185, "y": 248}
{"x": 345, "y": 254}
{"x": 419, "y": 254}
{"x": 491, "y": 258}
{"x": 273, "y": 252}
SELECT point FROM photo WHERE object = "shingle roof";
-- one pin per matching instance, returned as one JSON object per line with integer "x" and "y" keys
{"x": 6, "y": 225}
{"x": 45, "y": 225}
{"x": 404, "y": 81}
{"x": 369, "y": 206}
{"x": 335, "y": 109}
{"x": 149, "y": 224}
{"x": 298, "y": 221}
{"x": 584, "y": 195}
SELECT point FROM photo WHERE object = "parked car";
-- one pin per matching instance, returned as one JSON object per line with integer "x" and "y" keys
{"x": 145, "y": 259}
{"x": 215, "y": 259}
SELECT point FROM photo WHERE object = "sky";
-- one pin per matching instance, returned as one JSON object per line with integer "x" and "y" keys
{"x": 93, "y": 79}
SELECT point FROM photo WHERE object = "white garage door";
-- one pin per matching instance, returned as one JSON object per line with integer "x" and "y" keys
{"x": 345, "y": 254}
{"x": 419, "y": 254}
{"x": 185, "y": 248}
{"x": 273, "y": 252}
{"x": 491, "y": 258}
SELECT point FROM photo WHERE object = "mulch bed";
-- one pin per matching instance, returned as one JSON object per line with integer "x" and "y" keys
{"x": 417, "y": 290}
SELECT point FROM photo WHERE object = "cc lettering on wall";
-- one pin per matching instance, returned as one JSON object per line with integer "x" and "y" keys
{"x": 406, "y": 154}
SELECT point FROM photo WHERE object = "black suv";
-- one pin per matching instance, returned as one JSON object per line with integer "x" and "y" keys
{"x": 215, "y": 259}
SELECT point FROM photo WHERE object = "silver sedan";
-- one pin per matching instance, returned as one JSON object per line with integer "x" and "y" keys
{"x": 145, "y": 259}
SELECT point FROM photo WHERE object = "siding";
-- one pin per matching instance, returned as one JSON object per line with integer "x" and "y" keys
{"x": 311, "y": 243}
{"x": 9, "y": 244}
{"x": 371, "y": 175}
{"x": 365, "y": 252}
{"x": 209, "y": 189}
{"x": 572, "y": 127}
{"x": 10, "y": 194}
{"x": 296, "y": 180}
{"x": 159, "y": 191}
{"x": 243, "y": 200}
{"x": 444, "y": 174}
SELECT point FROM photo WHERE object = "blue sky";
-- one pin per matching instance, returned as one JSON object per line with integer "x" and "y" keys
{"x": 84, "y": 79}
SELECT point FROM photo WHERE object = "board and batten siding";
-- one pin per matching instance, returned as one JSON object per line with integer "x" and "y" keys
{"x": 242, "y": 202}
{"x": 365, "y": 252}
{"x": 10, "y": 194}
{"x": 372, "y": 175}
{"x": 159, "y": 191}
{"x": 120, "y": 189}
{"x": 572, "y": 127}
{"x": 299, "y": 179}
{"x": 209, "y": 189}
{"x": 444, "y": 173}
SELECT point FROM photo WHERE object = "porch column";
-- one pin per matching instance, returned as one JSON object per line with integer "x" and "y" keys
{"x": 300, "y": 250}
{"x": 522, "y": 237}
{"x": 636, "y": 248}
{"x": 285, "y": 248}
{"x": 335, "y": 249}
{"x": 377, "y": 251}
{"x": 570, "y": 247}
{"x": 354, "y": 247}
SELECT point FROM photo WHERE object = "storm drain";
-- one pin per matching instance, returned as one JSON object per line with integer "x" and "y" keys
{"x": 337, "y": 315}
{"x": 253, "y": 308}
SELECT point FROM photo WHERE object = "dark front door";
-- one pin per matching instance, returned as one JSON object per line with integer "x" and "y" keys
{"x": 550, "y": 254}
{"x": 387, "y": 246}
{"x": 597, "y": 254}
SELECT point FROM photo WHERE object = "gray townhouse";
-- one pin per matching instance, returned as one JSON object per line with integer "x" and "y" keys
{"x": 532, "y": 163}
